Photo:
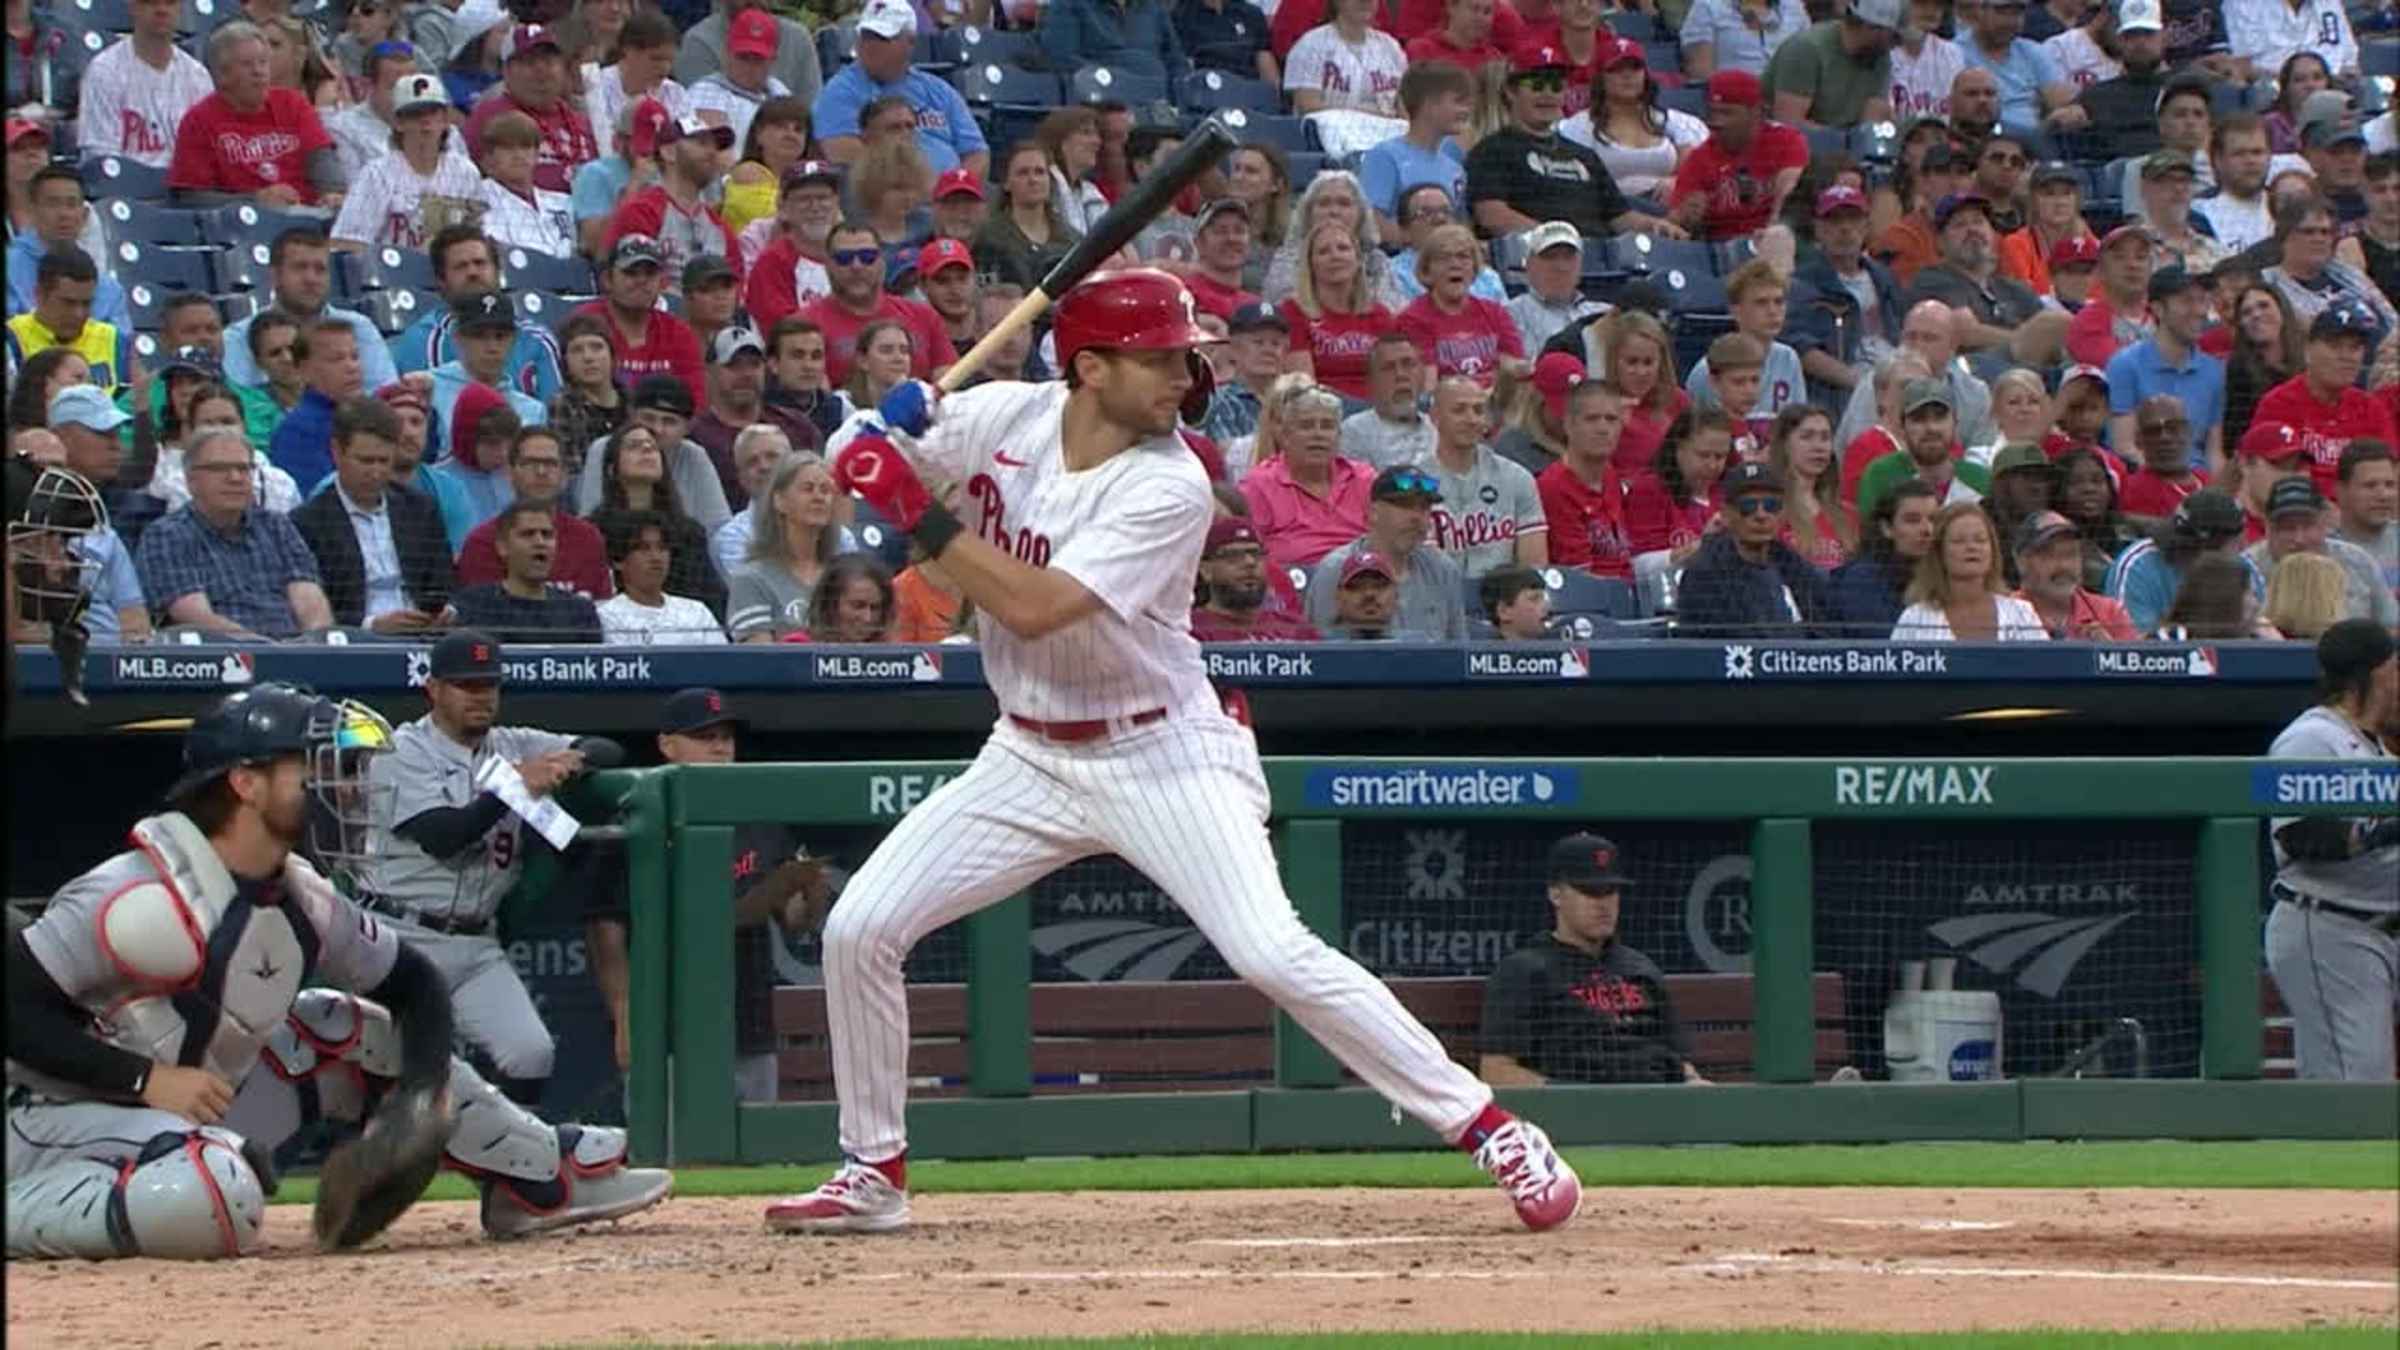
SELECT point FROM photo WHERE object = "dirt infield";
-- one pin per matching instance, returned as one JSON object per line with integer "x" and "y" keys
{"x": 1358, "y": 1260}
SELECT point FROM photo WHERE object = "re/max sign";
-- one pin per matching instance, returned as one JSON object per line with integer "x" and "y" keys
{"x": 1912, "y": 785}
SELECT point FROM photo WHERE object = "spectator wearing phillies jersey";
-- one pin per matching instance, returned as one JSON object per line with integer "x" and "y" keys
{"x": 537, "y": 476}
{"x": 1333, "y": 316}
{"x": 858, "y": 299}
{"x": 1734, "y": 183}
{"x": 1233, "y": 590}
{"x": 1816, "y": 521}
{"x": 250, "y": 141}
{"x": 1489, "y": 513}
{"x": 1221, "y": 238}
{"x": 2323, "y": 402}
{"x": 518, "y": 212}
{"x": 2369, "y": 504}
{"x": 466, "y": 263}
{"x": 1463, "y": 39}
{"x": 1669, "y": 507}
{"x": 1399, "y": 525}
{"x": 1760, "y": 297}
{"x": 2117, "y": 312}
{"x": 1305, "y": 498}
{"x": 362, "y": 132}
{"x": 674, "y": 210}
{"x": 789, "y": 269}
{"x": 1341, "y": 59}
{"x": 1526, "y": 172}
{"x": 1583, "y": 498}
{"x": 1458, "y": 333}
{"x": 387, "y": 204}
{"x": 649, "y": 341}
{"x": 300, "y": 265}
{"x": 1743, "y": 580}
{"x": 138, "y": 91}
{"x": 2146, "y": 577}
{"x": 2161, "y": 429}
{"x": 534, "y": 82}
{"x": 485, "y": 333}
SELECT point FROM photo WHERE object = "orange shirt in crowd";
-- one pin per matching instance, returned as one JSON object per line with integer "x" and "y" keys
{"x": 921, "y": 611}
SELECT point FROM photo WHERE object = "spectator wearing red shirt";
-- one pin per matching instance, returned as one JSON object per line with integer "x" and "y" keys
{"x": 533, "y": 81}
{"x": 2323, "y": 403}
{"x": 1574, "y": 29}
{"x": 1305, "y": 499}
{"x": 1233, "y": 583}
{"x": 858, "y": 299}
{"x": 1732, "y": 184}
{"x": 249, "y": 141}
{"x": 1458, "y": 333}
{"x": 2270, "y": 452}
{"x": 648, "y": 340}
{"x": 537, "y": 475}
{"x": 773, "y": 289}
{"x": 1635, "y": 362}
{"x": 1220, "y": 249}
{"x": 674, "y": 210}
{"x": 2118, "y": 312}
{"x": 1582, "y": 495}
{"x": 2050, "y": 562}
{"x": 1669, "y": 508}
{"x": 2167, "y": 476}
{"x": 1334, "y": 323}
{"x": 1509, "y": 29}
{"x": 1465, "y": 38}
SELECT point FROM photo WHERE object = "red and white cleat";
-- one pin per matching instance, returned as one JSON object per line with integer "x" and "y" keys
{"x": 1546, "y": 1191}
{"x": 856, "y": 1199}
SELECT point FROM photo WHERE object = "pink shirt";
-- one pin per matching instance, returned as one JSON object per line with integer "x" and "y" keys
{"x": 1297, "y": 526}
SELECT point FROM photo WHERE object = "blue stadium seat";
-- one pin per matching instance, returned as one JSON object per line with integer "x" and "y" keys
{"x": 535, "y": 270}
{"x": 394, "y": 268}
{"x": 1216, "y": 89}
{"x": 1729, "y": 254}
{"x": 390, "y": 310}
{"x": 1875, "y": 142}
{"x": 148, "y": 303}
{"x": 1633, "y": 24}
{"x": 243, "y": 267}
{"x": 110, "y": 16}
{"x": 109, "y": 177}
{"x": 1107, "y": 84}
{"x": 251, "y": 224}
{"x": 1691, "y": 99}
{"x": 1827, "y": 141}
{"x": 542, "y": 307}
{"x": 1642, "y": 252}
{"x": 350, "y": 275}
{"x": 879, "y": 536}
{"x": 994, "y": 85}
{"x": 1575, "y": 591}
{"x": 237, "y": 307}
{"x": 154, "y": 225}
{"x": 1693, "y": 292}
{"x": 2379, "y": 56}
{"x": 1009, "y": 48}
{"x": 169, "y": 269}
{"x": 1288, "y": 134}
{"x": 1662, "y": 54}
{"x": 1305, "y": 164}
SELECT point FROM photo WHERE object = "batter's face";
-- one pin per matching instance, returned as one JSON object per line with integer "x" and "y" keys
{"x": 708, "y": 745}
{"x": 1584, "y": 918}
{"x": 1141, "y": 391}
{"x": 464, "y": 708}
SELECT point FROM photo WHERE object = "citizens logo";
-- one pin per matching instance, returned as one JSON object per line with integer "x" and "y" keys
{"x": 2042, "y": 949}
{"x": 1744, "y": 661}
{"x": 1740, "y": 663}
{"x": 2190, "y": 662}
{"x": 1416, "y": 787}
{"x": 2335, "y": 783}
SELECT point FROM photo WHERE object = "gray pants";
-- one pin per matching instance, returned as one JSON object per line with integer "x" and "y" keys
{"x": 494, "y": 1011}
{"x": 2341, "y": 980}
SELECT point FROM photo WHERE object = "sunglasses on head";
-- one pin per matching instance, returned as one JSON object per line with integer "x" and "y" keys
{"x": 1412, "y": 482}
{"x": 856, "y": 257}
{"x": 1755, "y": 503}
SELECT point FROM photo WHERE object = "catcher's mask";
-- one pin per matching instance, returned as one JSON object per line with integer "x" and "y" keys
{"x": 344, "y": 738}
{"x": 54, "y": 577}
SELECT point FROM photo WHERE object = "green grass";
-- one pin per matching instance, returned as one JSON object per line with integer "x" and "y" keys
{"x": 2269, "y": 1164}
{"x": 2324, "y": 1339}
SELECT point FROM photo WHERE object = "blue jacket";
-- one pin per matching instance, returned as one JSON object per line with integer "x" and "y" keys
{"x": 1824, "y": 315}
{"x": 1129, "y": 35}
{"x": 1866, "y": 595}
{"x": 1724, "y": 595}
{"x": 533, "y": 359}
{"x": 303, "y": 444}
{"x": 25, "y": 256}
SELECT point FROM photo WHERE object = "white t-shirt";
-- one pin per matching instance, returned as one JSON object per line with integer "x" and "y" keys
{"x": 1639, "y": 171}
{"x": 1129, "y": 530}
{"x": 131, "y": 109}
{"x": 604, "y": 99}
{"x": 546, "y": 224}
{"x": 680, "y": 622}
{"x": 717, "y": 94}
{"x": 2081, "y": 59}
{"x": 382, "y": 205}
{"x": 359, "y": 138}
{"x": 2019, "y": 622}
{"x": 1365, "y": 76}
{"x": 1921, "y": 83}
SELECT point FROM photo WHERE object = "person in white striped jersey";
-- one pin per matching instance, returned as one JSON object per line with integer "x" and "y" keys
{"x": 387, "y": 204}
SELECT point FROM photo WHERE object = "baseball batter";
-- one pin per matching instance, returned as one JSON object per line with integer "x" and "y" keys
{"x": 446, "y": 848}
{"x": 165, "y": 1034}
{"x": 2333, "y": 938}
{"x": 1084, "y": 517}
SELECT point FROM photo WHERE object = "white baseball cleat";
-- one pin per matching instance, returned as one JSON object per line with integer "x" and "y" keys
{"x": 856, "y": 1199}
{"x": 1546, "y": 1191}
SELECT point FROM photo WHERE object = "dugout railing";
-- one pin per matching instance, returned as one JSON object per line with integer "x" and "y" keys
{"x": 679, "y": 826}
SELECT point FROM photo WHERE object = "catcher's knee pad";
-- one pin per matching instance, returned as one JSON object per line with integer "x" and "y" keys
{"x": 189, "y": 1197}
{"x": 335, "y": 1053}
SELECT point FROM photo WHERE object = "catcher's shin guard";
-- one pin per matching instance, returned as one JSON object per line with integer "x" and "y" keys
{"x": 536, "y": 1176}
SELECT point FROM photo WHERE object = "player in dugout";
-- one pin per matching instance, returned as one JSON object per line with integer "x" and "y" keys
{"x": 1577, "y": 1005}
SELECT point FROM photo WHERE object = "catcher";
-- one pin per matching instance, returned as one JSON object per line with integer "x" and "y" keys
{"x": 167, "y": 1029}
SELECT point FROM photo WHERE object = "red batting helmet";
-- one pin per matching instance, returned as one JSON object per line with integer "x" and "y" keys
{"x": 1137, "y": 309}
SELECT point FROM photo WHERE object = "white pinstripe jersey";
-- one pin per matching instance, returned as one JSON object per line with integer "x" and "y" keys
{"x": 384, "y": 204}
{"x": 128, "y": 108}
{"x": 1130, "y": 530}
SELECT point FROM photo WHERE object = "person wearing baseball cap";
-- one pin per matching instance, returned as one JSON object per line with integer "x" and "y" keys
{"x": 959, "y": 208}
{"x": 1745, "y": 581}
{"x": 1553, "y": 300}
{"x": 733, "y": 94}
{"x": 1833, "y": 330}
{"x": 2005, "y": 311}
{"x": 483, "y": 332}
{"x": 1366, "y": 601}
{"x": 418, "y": 157}
{"x": 1929, "y": 449}
{"x": 887, "y": 33}
{"x": 2117, "y": 312}
{"x": 793, "y": 262}
{"x": 2169, "y": 361}
{"x": 2323, "y": 403}
{"x": 2169, "y": 180}
{"x": 675, "y": 210}
{"x": 737, "y": 385}
{"x": 1578, "y": 1005}
{"x": 1431, "y": 601}
{"x": 533, "y": 80}
{"x": 2146, "y": 577}
{"x": 2071, "y": 270}
{"x": 2053, "y": 192}
{"x": 2048, "y": 551}
{"x": 1525, "y": 173}
{"x": 946, "y": 282}
{"x": 1838, "y": 73}
{"x": 2298, "y": 519}
{"x": 1234, "y": 590}
{"x": 647, "y": 339}
{"x": 1732, "y": 184}
{"x": 2270, "y": 453}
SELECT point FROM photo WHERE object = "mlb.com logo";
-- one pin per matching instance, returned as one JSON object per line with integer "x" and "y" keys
{"x": 1419, "y": 787}
{"x": 2190, "y": 662}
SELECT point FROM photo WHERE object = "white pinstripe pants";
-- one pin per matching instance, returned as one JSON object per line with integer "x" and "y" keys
{"x": 1182, "y": 799}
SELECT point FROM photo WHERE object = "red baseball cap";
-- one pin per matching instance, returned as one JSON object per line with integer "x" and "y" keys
{"x": 1535, "y": 56}
{"x": 644, "y": 133}
{"x": 955, "y": 181}
{"x": 940, "y": 253}
{"x": 1554, "y": 375}
{"x": 2121, "y": 234}
{"x": 1226, "y": 531}
{"x": 2271, "y": 441}
{"x": 753, "y": 32}
{"x": 2078, "y": 250}
{"x": 1737, "y": 88}
{"x": 21, "y": 127}
{"x": 532, "y": 37}
{"x": 402, "y": 394}
{"x": 1840, "y": 197}
{"x": 1618, "y": 51}
{"x": 1364, "y": 561}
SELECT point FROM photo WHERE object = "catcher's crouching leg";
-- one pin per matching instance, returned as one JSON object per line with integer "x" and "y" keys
{"x": 188, "y": 1195}
{"x": 335, "y": 1056}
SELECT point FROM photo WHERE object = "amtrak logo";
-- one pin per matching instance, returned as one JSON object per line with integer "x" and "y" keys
{"x": 1119, "y": 949}
{"x": 1740, "y": 664}
{"x": 420, "y": 667}
{"x": 2047, "y": 946}
{"x": 1437, "y": 864}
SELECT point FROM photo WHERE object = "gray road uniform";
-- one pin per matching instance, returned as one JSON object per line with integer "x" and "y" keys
{"x": 2333, "y": 938}
{"x": 166, "y": 958}
{"x": 444, "y": 905}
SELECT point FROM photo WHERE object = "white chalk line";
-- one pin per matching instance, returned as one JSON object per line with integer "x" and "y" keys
{"x": 1932, "y": 1225}
{"x": 1318, "y": 1241}
{"x": 1740, "y": 1263}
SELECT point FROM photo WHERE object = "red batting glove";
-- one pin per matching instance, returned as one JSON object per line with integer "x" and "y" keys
{"x": 876, "y": 470}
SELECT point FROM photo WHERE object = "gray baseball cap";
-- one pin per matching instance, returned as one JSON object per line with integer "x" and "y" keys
{"x": 1925, "y": 393}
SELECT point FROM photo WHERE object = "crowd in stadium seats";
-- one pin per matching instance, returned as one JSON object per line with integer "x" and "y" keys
{"x": 1927, "y": 319}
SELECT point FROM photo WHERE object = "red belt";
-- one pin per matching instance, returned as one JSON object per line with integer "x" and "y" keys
{"x": 1073, "y": 733}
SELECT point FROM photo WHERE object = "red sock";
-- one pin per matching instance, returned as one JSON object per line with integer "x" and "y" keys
{"x": 1483, "y": 1126}
{"x": 894, "y": 1169}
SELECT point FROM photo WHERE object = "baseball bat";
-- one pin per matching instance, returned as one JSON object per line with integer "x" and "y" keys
{"x": 1208, "y": 143}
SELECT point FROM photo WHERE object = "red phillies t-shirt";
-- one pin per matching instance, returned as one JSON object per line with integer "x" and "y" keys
{"x": 1435, "y": 46}
{"x": 221, "y": 149}
{"x": 1338, "y": 344}
{"x": 1215, "y": 296}
{"x": 2151, "y": 494}
{"x": 669, "y": 347}
{"x": 930, "y": 342}
{"x": 567, "y": 140}
{"x": 2326, "y": 429}
{"x": 580, "y": 563}
{"x": 1645, "y": 431}
{"x": 1740, "y": 189}
{"x": 1587, "y": 524}
{"x": 1469, "y": 342}
{"x": 1655, "y": 520}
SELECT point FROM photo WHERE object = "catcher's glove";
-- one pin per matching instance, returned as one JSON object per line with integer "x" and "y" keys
{"x": 369, "y": 1181}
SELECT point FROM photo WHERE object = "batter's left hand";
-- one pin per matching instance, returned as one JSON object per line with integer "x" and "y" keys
{"x": 875, "y": 469}
{"x": 908, "y": 408}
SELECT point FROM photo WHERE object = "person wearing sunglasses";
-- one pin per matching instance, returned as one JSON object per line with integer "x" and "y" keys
{"x": 2001, "y": 164}
{"x": 1526, "y": 172}
{"x": 1400, "y": 508}
{"x": 855, "y": 265}
{"x": 1745, "y": 581}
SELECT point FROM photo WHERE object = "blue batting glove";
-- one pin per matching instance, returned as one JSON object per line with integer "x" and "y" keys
{"x": 908, "y": 408}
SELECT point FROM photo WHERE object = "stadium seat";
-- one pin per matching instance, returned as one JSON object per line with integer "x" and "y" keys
{"x": 535, "y": 270}
{"x": 1662, "y": 55}
{"x": 112, "y": 177}
{"x": 879, "y": 536}
{"x": 147, "y": 303}
{"x": 2380, "y": 56}
{"x": 108, "y": 16}
{"x": 1691, "y": 99}
{"x": 993, "y": 85}
{"x": 250, "y": 224}
{"x": 350, "y": 275}
{"x": 835, "y": 44}
{"x": 1875, "y": 142}
{"x": 243, "y": 267}
{"x": 1285, "y": 133}
{"x": 1827, "y": 142}
{"x": 1632, "y": 23}
{"x": 169, "y": 269}
{"x": 1217, "y": 89}
{"x": 1642, "y": 252}
{"x": 154, "y": 225}
{"x": 1305, "y": 166}
{"x": 1106, "y": 84}
{"x": 542, "y": 307}
{"x": 994, "y": 44}
{"x": 1575, "y": 591}
{"x": 237, "y": 307}
{"x": 390, "y": 310}
{"x": 394, "y": 268}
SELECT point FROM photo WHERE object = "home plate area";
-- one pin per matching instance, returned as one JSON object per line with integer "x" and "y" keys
{"x": 1108, "y": 1263}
